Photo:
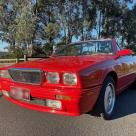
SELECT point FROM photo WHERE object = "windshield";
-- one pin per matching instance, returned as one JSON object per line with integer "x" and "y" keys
{"x": 88, "y": 48}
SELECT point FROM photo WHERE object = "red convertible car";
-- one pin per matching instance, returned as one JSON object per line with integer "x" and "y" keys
{"x": 76, "y": 79}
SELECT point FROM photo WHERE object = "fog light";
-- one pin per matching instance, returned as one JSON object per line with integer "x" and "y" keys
{"x": 54, "y": 104}
{"x": 6, "y": 93}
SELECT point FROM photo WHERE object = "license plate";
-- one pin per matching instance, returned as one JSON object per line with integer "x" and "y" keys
{"x": 20, "y": 93}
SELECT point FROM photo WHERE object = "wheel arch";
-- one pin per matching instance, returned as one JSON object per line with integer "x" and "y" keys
{"x": 97, "y": 110}
{"x": 112, "y": 74}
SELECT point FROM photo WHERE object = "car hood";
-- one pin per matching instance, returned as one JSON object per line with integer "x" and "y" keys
{"x": 67, "y": 63}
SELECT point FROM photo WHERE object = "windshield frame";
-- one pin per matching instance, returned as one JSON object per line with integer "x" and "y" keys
{"x": 83, "y": 42}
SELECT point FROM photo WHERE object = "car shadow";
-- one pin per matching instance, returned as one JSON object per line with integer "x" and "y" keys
{"x": 126, "y": 103}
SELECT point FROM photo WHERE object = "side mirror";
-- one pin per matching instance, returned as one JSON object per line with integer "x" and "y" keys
{"x": 125, "y": 52}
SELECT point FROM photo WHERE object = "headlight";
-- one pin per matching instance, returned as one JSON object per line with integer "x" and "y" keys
{"x": 53, "y": 77}
{"x": 70, "y": 79}
{"x": 4, "y": 74}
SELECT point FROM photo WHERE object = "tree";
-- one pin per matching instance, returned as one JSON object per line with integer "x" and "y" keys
{"x": 44, "y": 23}
{"x": 17, "y": 24}
{"x": 52, "y": 31}
{"x": 130, "y": 25}
{"x": 24, "y": 28}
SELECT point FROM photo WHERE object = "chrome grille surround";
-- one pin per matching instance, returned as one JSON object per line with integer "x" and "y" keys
{"x": 26, "y": 75}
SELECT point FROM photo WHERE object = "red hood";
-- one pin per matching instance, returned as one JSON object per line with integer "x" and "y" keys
{"x": 67, "y": 63}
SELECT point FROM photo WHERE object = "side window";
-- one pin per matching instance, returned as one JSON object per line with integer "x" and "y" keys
{"x": 106, "y": 47}
{"x": 118, "y": 48}
{"x": 109, "y": 46}
{"x": 118, "y": 43}
{"x": 88, "y": 48}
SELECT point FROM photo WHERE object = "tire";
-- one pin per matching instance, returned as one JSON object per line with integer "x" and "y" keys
{"x": 134, "y": 85}
{"x": 106, "y": 102}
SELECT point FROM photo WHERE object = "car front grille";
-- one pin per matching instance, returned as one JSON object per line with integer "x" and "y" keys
{"x": 28, "y": 76}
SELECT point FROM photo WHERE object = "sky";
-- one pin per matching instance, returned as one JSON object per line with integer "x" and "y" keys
{"x": 131, "y": 5}
{"x": 4, "y": 44}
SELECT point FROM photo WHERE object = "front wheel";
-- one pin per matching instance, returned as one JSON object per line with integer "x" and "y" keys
{"x": 106, "y": 102}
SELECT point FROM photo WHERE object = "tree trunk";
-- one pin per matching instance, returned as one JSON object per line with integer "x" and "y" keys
{"x": 99, "y": 27}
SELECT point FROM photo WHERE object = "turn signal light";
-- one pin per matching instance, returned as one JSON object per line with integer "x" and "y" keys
{"x": 63, "y": 97}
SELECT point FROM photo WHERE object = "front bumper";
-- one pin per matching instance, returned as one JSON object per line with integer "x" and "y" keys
{"x": 82, "y": 100}
{"x": 43, "y": 108}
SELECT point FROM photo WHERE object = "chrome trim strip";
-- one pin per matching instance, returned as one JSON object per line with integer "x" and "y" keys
{"x": 26, "y": 69}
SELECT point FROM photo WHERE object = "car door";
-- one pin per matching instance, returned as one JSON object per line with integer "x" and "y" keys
{"x": 134, "y": 66}
{"x": 125, "y": 70}
{"x": 120, "y": 69}
{"x": 128, "y": 63}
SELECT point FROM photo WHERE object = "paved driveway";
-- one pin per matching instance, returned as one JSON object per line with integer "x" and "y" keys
{"x": 17, "y": 121}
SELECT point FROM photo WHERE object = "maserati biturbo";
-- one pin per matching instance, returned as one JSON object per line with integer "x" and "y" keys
{"x": 74, "y": 80}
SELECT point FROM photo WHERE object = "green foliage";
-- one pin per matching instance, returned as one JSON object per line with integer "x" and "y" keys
{"x": 15, "y": 52}
{"x": 22, "y": 22}
{"x": 38, "y": 51}
{"x": 52, "y": 31}
{"x": 132, "y": 46}
{"x": 25, "y": 26}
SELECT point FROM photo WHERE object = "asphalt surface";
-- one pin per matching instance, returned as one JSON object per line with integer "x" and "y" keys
{"x": 17, "y": 121}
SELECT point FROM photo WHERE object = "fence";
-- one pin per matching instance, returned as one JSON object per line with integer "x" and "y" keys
{"x": 6, "y": 62}
{"x": 11, "y": 60}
